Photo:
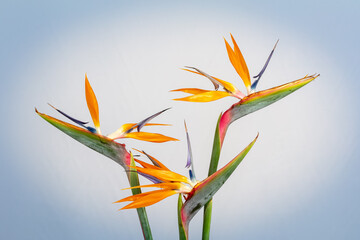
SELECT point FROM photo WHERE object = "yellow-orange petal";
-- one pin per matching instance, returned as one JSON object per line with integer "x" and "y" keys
{"x": 149, "y": 137}
{"x": 238, "y": 62}
{"x": 92, "y": 104}
{"x": 133, "y": 197}
{"x": 190, "y": 90}
{"x": 164, "y": 175}
{"x": 120, "y": 132}
{"x": 228, "y": 86}
{"x": 205, "y": 97}
{"x": 165, "y": 185}
{"x": 150, "y": 199}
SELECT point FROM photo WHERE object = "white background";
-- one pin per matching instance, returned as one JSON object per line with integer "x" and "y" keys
{"x": 300, "y": 180}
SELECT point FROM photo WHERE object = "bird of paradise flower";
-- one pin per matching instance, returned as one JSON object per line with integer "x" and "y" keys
{"x": 196, "y": 193}
{"x": 237, "y": 60}
{"x": 106, "y": 145}
{"x": 248, "y": 103}
{"x": 126, "y": 130}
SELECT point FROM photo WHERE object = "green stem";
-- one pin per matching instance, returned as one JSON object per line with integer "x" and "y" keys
{"x": 144, "y": 222}
{"x": 145, "y": 226}
{"x": 207, "y": 220}
{"x": 215, "y": 155}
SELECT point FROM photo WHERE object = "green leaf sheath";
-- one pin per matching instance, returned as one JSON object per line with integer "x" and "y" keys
{"x": 215, "y": 155}
{"x": 182, "y": 234}
{"x": 207, "y": 220}
{"x": 134, "y": 181}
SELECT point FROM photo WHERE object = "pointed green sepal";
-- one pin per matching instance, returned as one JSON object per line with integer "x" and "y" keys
{"x": 207, "y": 188}
{"x": 134, "y": 182}
{"x": 261, "y": 99}
{"x": 215, "y": 155}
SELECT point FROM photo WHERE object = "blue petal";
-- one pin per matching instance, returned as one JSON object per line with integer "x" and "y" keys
{"x": 253, "y": 86}
{"x": 151, "y": 178}
{"x": 189, "y": 162}
{"x": 139, "y": 125}
{"x": 151, "y": 159}
{"x": 71, "y": 118}
{"x": 81, "y": 123}
{"x": 91, "y": 129}
{"x": 213, "y": 80}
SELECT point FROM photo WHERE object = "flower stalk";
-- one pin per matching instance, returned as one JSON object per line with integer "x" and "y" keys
{"x": 106, "y": 145}
{"x": 192, "y": 194}
{"x": 248, "y": 103}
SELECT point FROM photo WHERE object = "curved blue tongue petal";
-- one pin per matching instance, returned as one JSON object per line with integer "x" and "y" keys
{"x": 213, "y": 80}
{"x": 139, "y": 125}
{"x": 189, "y": 162}
{"x": 81, "y": 123}
{"x": 253, "y": 86}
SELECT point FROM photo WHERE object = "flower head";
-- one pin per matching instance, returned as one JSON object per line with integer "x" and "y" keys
{"x": 167, "y": 182}
{"x": 237, "y": 60}
{"x": 196, "y": 193}
{"x": 126, "y": 130}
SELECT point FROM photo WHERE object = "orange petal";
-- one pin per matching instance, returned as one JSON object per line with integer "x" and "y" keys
{"x": 150, "y": 137}
{"x": 169, "y": 186}
{"x": 119, "y": 133}
{"x": 228, "y": 86}
{"x": 205, "y": 97}
{"x": 190, "y": 90}
{"x": 92, "y": 104}
{"x": 125, "y": 127}
{"x": 133, "y": 197}
{"x": 164, "y": 175}
{"x": 150, "y": 199}
{"x": 238, "y": 62}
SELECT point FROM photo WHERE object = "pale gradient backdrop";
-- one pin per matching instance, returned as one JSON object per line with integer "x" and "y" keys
{"x": 300, "y": 180}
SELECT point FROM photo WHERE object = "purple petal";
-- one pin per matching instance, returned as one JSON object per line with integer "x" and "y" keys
{"x": 150, "y": 158}
{"x": 71, "y": 118}
{"x": 213, "y": 80}
{"x": 253, "y": 86}
{"x": 151, "y": 178}
{"x": 139, "y": 125}
{"x": 189, "y": 162}
{"x": 143, "y": 122}
{"x": 81, "y": 123}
